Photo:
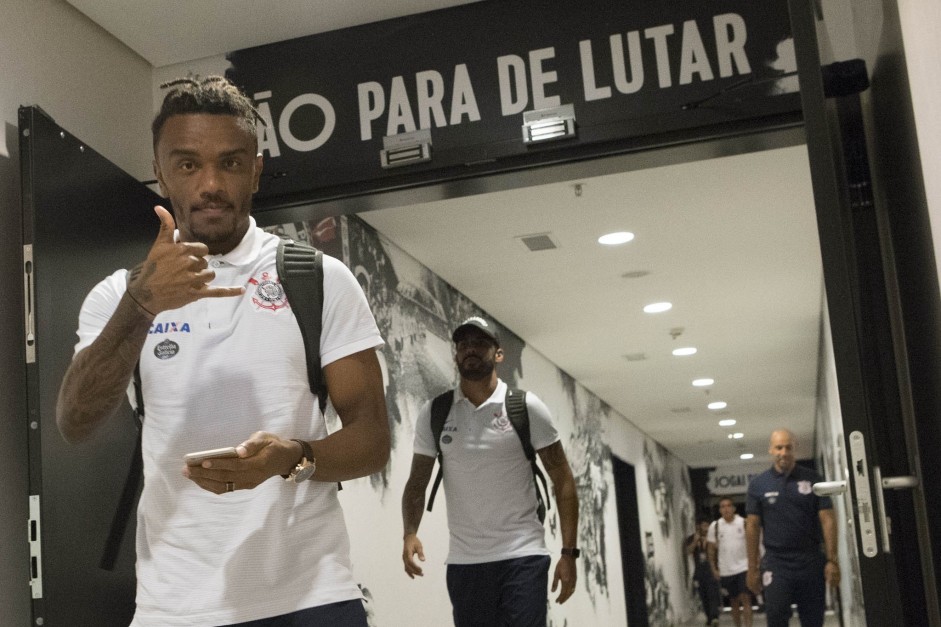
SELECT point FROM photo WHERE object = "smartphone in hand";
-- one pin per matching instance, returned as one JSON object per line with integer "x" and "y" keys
{"x": 194, "y": 459}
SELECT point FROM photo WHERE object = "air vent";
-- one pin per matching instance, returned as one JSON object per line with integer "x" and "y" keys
{"x": 635, "y": 356}
{"x": 538, "y": 241}
{"x": 680, "y": 410}
{"x": 636, "y": 274}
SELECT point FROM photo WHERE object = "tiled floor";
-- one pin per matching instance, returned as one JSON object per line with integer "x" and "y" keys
{"x": 831, "y": 620}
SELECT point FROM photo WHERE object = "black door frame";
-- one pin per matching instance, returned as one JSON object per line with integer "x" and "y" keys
{"x": 867, "y": 244}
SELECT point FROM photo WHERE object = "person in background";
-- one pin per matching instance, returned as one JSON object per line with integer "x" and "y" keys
{"x": 707, "y": 582}
{"x": 498, "y": 564}
{"x": 728, "y": 557}
{"x": 259, "y": 538}
{"x": 781, "y": 503}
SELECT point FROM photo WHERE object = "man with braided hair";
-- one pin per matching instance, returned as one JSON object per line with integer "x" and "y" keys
{"x": 229, "y": 541}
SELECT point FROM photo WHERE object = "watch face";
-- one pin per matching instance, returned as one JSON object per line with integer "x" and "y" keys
{"x": 303, "y": 473}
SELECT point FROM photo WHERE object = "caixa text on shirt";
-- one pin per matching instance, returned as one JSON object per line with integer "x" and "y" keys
{"x": 169, "y": 327}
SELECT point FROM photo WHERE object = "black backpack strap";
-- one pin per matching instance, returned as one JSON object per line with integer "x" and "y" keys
{"x": 300, "y": 270}
{"x": 440, "y": 408}
{"x": 518, "y": 415}
{"x": 132, "y": 484}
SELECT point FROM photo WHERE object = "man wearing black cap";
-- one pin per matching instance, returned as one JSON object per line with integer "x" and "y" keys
{"x": 498, "y": 564}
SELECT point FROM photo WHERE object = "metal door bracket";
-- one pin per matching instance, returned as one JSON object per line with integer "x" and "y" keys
{"x": 29, "y": 302}
{"x": 859, "y": 464}
{"x": 35, "y": 547}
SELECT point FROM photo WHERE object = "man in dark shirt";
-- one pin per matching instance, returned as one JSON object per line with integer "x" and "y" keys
{"x": 707, "y": 582}
{"x": 795, "y": 521}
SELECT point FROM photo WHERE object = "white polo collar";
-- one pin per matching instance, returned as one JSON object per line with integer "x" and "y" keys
{"x": 497, "y": 397}
{"x": 244, "y": 253}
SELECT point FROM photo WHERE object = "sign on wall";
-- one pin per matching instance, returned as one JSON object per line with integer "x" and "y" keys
{"x": 726, "y": 480}
{"x": 469, "y": 76}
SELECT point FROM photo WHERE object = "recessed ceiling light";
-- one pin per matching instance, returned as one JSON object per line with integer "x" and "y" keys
{"x": 728, "y": 422}
{"x": 683, "y": 352}
{"x": 746, "y": 456}
{"x": 718, "y": 405}
{"x": 613, "y": 239}
{"x": 736, "y": 436}
{"x": 658, "y": 307}
{"x": 701, "y": 383}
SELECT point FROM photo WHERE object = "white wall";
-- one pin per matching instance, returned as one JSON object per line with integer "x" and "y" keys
{"x": 667, "y": 517}
{"x": 921, "y": 31}
{"x": 421, "y": 365}
{"x": 51, "y": 56}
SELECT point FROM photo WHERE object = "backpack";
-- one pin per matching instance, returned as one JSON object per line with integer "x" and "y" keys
{"x": 300, "y": 270}
{"x": 518, "y": 415}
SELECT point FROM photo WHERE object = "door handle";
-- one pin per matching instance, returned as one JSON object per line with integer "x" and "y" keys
{"x": 829, "y": 488}
{"x": 889, "y": 483}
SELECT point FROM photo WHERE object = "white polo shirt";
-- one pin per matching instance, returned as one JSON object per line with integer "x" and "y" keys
{"x": 732, "y": 550}
{"x": 214, "y": 372}
{"x": 488, "y": 482}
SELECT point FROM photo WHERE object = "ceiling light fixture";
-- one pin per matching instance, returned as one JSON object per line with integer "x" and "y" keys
{"x": 614, "y": 239}
{"x": 728, "y": 422}
{"x": 746, "y": 456}
{"x": 683, "y": 352}
{"x": 658, "y": 307}
{"x": 701, "y": 383}
{"x": 736, "y": 436}
{"x": 718, "y": 405}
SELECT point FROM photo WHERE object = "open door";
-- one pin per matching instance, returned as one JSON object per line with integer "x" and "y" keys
{"x": 83, "y": 218}
{"x": 882, "y": 294}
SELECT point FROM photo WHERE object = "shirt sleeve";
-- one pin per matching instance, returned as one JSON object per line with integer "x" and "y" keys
{"x": 348, "y": 324}
{"x": 753, "y": 499}
{"x": 98, "y": 307}
{"x": 711, "y": 534}
{"x": 542, "y": 433}
{"x": 424, "y": 441}
{"x": 96, "y": 311}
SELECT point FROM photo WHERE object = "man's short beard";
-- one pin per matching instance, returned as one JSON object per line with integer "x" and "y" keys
{"x": 481, "y": 372}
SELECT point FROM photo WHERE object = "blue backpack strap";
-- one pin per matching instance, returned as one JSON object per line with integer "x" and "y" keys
{"x": 300, "y": 270}
{"x": 440, "y": 408}
{"x": 518, "y": 415}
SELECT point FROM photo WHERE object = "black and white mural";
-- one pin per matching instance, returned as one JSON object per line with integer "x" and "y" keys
{"x": 416, "y": 311}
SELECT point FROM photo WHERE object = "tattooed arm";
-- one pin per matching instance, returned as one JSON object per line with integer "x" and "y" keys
{"x": 566, "y": 499}
{"x": 95, "y": 383}
{"x": 413, "y": 506}
{"x": 174, "y": 274}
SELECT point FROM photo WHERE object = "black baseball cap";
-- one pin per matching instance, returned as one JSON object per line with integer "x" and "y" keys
{"x": 477, "y": 323}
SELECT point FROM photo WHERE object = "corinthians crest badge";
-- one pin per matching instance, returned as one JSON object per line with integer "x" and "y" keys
{"x": 269, "y": 294}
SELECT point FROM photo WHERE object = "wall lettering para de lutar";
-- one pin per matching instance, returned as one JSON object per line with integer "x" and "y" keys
{"x": 468, "y": 74}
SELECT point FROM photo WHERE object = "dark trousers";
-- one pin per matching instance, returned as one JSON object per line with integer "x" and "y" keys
{"x": 796, "y": 579}
{"x": 710, "y": 595}
{"x": 342, "y": 614}
{"x": 508, "y": 593}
